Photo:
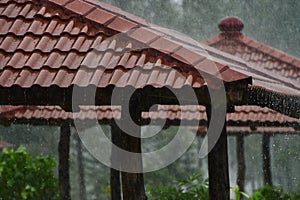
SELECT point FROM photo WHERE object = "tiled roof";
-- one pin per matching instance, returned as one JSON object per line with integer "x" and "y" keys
{"x": 259, "y": 56}
{"x": 256, "y": 53}
{"x": 246, "y": 130}
{"x": 83, "y": 42}
{"x": 57, "y": 113}
{"x": 4, "y": 144}
{"x": 242, "y": 117}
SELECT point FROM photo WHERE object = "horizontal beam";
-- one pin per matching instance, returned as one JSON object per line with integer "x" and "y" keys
{"x": 90, "y": 95}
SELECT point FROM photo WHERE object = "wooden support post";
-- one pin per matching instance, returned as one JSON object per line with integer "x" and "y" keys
{"x": 240, "y": 151}
{"x": 132, "y": 183}
{"x": 218, "y": 164}
{"x": 82, "y": 189}
{"x": 63, "y": 166}
{"x": 115, "y": 185}
{"x": 266, "y": 160}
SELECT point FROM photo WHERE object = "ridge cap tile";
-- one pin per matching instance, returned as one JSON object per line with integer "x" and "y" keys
{"x": 59, "y": 2}
{"x": 100, "y": 16}
{"x": 165, "y": 45}
{"x": 122, "y": 25}
{"x": 80, "y": 7}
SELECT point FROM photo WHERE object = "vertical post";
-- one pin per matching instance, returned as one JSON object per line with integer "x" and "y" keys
{"x": 132, "y": 183}
{"x": 241, "y": 162}
{"x": 82, "y": 189}
{"x": 266, "y": 160}
{"x": 218, "y": 164}
{"x": 63, "y": 168}
{"x": 115, "y": 185}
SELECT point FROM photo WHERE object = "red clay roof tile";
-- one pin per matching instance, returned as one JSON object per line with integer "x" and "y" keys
{"x": 100, "y": 16}
{"x": 242, "y": 118}
{"x": 60, "y": 2}
{"x": 46, "y": 43}
{"x": 79, "y": 7}
{"x": 165, "y": 45}
{"x": 10, "y": 43}
{"x": 187, "y": 56}
{"x": 122, "y": 25}
{"x": 144, "y": 35}
{"x": 53, "y": 45}
{"x": 12, "y": 10}
{"x": 209, "y": 67}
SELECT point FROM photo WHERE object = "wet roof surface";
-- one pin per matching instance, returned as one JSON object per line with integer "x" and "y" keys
{"x": 283, "y": 68}
{"x": 242, "y": 117}
{"x": 4, "y": 144}
{"x": 65, "y": 43}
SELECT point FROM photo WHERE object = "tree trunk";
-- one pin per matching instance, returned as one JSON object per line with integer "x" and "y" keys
{"x": 266, "y": 160}
{"x": 82, "y": 189}
{"x": 241, "y": 162}
{"x": 132, "y": 183}
{"x": 115, "y": 185}
{"x": 218, "y": 165}
{"x": 63, "y": 168}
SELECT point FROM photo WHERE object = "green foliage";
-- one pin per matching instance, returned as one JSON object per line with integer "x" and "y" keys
{"x": 22, "y": 177}
{"x": 194, "y": 187}
{"x": 238, "y": 193}
{"x": 270, "y": 193}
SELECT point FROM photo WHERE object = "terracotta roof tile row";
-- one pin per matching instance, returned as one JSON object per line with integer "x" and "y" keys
{"x": 245, "y": 130}
{"x": 243, "y": 115}
{"x": 65, "y": 43}
{"x": 84, "y": 77}
{"x": 56, "y": 112}
{"x": 258, "y": 54}
{"x": 4, "y": 144}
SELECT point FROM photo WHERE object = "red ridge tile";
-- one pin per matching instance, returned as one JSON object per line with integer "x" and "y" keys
{"x": 209, "y": 67}
{"x": 187, "y": 56}
{"x": 266, "y": 49}
{"x": 122, "y": 25}
{"x": 254, "y": 44}
{"x": 100, "y": 16}
{"x": 80, "y": 7}
{"x": 143, "y": 35}
{"x": 165, "y": 45}
{"x": 59, "y": 2}
{"x": 287, "y": 59}
{"x": 296, "y": 62}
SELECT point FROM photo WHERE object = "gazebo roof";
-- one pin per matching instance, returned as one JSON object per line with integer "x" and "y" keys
{"x": 60, "y": 44}
{"x": 59, "y": 40}
{"x": 256, "y": 54}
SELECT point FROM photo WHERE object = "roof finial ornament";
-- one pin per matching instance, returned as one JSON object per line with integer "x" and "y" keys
{"x": 231, "y": 27}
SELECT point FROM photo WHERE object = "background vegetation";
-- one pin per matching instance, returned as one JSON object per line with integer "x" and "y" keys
{"x": 22, "y": 177}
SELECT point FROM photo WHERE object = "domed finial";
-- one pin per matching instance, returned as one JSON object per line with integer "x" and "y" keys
{"x": 231, "y": 26}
